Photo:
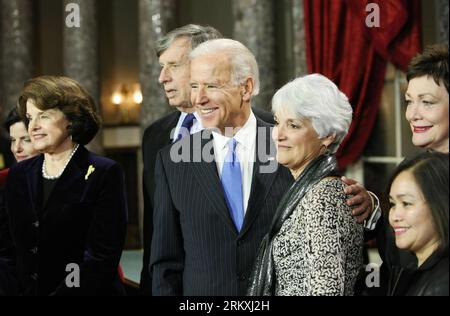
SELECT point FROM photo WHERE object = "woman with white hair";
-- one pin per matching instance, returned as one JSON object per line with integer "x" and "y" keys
{"x": 314, "y": 245}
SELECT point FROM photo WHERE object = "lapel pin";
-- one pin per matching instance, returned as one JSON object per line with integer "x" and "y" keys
{"x": 271, "y": 158}
{"x": 88, "y": 173}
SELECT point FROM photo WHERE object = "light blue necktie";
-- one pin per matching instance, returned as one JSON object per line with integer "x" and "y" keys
{"x": 232, "y": 185}
{"x": 186, "y": 126}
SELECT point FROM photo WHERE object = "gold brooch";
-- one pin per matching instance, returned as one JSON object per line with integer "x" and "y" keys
{"x": 91, "y": 169}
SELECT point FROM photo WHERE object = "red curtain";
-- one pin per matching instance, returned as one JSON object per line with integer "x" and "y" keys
{"x": 342, "y": 47}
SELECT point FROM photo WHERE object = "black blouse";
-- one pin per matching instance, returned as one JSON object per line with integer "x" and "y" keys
{"x": 47, "y": 187}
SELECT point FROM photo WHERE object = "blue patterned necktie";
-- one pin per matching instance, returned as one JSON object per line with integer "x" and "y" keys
{"x": 186, "y": 126}
{"x": 232, "y": 185}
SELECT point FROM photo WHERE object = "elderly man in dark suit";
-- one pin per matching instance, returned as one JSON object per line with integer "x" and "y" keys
{"x": 216, "y": 191}
{"x": 172, "y": 50}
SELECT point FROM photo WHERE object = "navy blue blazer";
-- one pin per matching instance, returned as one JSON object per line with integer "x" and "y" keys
{"x": 83, "y": 222}
{"x": 196, "y": 249}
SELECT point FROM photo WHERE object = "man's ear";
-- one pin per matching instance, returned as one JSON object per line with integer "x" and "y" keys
{"x": 247, "y": 89}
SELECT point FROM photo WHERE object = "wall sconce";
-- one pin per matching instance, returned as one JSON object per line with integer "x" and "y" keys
{"x": 125, "y": 98}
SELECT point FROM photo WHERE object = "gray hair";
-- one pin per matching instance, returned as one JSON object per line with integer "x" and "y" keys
{"x": 318, "y": 99}
{"x": 197, "y": 33}
{"x": 242, "y": 60}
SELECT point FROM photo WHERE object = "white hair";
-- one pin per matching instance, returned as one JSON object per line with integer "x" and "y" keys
{"x": 318, "y": 99}
{"x": 242, "y": 60}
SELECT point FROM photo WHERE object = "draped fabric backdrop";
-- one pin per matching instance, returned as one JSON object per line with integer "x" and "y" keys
{"x": 343, "y": 48}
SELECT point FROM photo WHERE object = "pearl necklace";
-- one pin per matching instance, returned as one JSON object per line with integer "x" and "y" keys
{"x": 44, "y": 172}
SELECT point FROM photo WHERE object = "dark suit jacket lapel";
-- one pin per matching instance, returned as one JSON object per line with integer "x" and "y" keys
{"x": 167, "y": 129}
{"x": 209, "y": 181}
{"x": 261, "y": 182}
{"x": 167, "y": 126}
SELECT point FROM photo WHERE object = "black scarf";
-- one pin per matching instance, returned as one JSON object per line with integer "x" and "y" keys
{"x": 263, "y": 275}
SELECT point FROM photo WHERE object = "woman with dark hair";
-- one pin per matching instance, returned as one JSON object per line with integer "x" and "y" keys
{"x": 427, "y": 98}
{"x": 21, "y": 148}
{"x": 427, "y": 111}
{"x": 66, "y": 207}
{"x": 20, "y": 141}
{"x": 418, "y": 215}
